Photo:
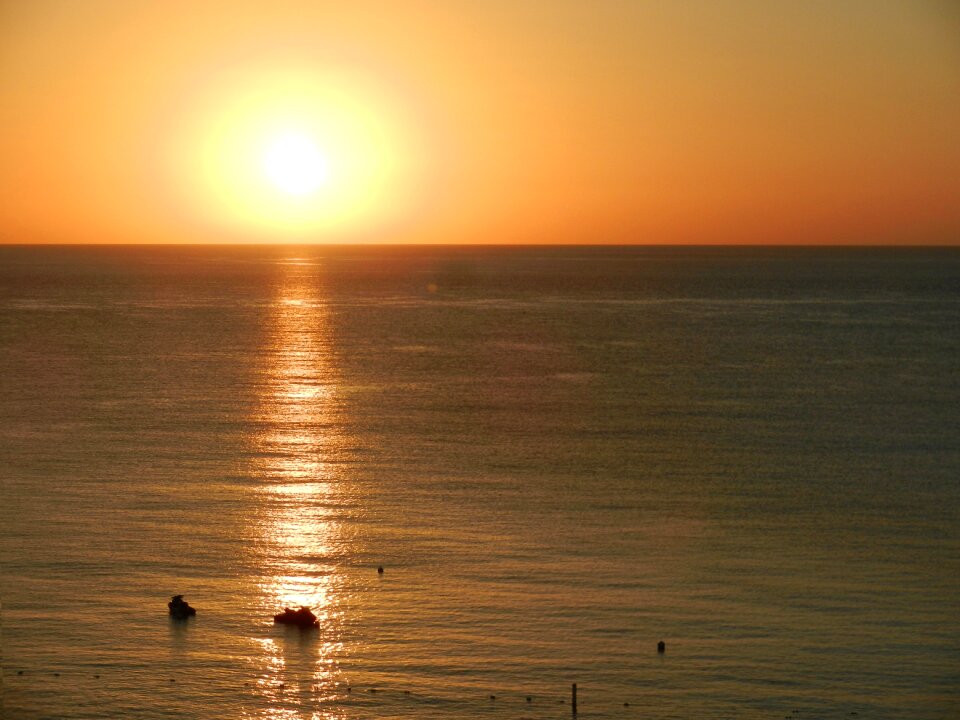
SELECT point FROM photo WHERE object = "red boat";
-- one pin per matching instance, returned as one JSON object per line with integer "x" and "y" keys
{"x": 179, "y": 608}
{"x": 302, "y": 618}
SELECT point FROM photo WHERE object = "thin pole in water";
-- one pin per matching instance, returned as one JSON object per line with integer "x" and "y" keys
{"x": 573, "y": 698}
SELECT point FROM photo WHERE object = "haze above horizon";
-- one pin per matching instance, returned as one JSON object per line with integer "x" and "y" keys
{"x": 689, "y": 122}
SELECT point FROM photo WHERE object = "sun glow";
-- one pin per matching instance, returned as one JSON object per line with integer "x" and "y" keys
{"x": 295, "y": 154}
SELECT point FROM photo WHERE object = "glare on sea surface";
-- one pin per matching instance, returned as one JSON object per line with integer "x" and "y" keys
{"x": 295, "y": 437}
{"x": 298, "y": 490}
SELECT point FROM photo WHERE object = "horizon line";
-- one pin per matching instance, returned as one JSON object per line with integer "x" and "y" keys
{"x": 945, "y": 245}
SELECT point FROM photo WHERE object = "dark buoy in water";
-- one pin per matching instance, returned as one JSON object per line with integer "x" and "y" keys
{"x": 661, "y": 647}
{"x": 493, "y": 697}
{"x": 380, "y": 570}
{"x": 529, "y": 699}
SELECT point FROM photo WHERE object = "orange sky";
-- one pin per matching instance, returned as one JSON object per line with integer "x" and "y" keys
{"x": 483, "y": 121}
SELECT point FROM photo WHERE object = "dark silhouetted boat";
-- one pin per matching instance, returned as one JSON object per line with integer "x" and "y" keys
{"x": 302, "y": 618}
{"x": 179, "y": 608}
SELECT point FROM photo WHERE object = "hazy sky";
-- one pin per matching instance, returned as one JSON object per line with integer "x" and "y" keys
{"x": 480, "y": 121}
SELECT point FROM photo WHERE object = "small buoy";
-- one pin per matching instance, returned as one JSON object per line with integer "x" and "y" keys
{"x": 406, "y": 692}
{"x": 349, "y": 689}
{"x": 529, "y": 699}
{"x": 373, "y": 690}
{"x": 56, "y": 674}
{"x": 661, "y": 647}
{"x": 96, "y": 677}
{"x": 172, "y": 680}
{"x": 626, "y": 704}
{"x": 493, "y": 697}
{"x": 19, "y": 672}
{"x": 380, "y": 570}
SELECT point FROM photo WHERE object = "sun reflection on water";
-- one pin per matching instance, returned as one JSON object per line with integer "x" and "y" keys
{"x": 295, "y": 449}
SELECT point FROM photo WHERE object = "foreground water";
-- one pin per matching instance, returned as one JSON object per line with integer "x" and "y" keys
{"x": 559, "y": 456}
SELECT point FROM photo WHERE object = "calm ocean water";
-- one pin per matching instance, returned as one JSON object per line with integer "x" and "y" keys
{"x": 559, "y": 456}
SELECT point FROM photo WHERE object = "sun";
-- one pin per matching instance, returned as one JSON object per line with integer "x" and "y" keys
{"x": 294, "y": 164}
{"x": 298, "y": 154}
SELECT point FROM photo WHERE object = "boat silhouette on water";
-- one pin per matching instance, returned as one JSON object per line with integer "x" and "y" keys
{"x": 179, "y": 608}
{"x": 302, "y": 618}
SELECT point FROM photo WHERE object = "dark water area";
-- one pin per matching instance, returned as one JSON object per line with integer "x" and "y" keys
{"x": 559, "y": 455}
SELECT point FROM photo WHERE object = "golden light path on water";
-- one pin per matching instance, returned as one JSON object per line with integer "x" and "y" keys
{"x": 300, "y": 493}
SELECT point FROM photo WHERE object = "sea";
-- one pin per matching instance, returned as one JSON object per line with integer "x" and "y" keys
{"x": 559, "y": 457}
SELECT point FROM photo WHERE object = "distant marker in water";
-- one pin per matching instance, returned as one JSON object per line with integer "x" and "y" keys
{"x": 380, "y": 570}
{"x": 661, "y": 647}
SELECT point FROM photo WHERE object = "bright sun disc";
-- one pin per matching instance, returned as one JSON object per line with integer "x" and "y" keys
{"x": 286, "y": 153}
{"x": 294, "y": 164}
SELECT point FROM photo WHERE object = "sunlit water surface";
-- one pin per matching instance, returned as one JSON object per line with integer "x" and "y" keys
{"x": 559, "y": 456}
